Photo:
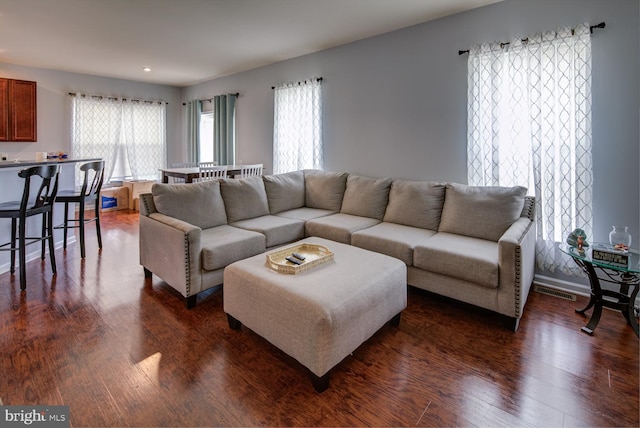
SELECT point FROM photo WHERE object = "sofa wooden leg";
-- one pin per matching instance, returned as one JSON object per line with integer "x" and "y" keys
{"x": 234, "y": 324}
{"x": 395, "y": 321}
{"x": 320, "y": 383}
{"x": 511, "y": 323}
{"x": 191, "y": 301}
{"x": 147, "y": 273}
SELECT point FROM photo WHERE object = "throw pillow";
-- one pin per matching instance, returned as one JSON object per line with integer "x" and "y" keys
{"x": 366, "y": 197}
{"x": 244, "y": 198}
{"x": 481, "y": 212}
{"x": 284, "y": 191}
{"x": 199, "y": 204}
{"x": 324, "y": 189}
{"x": 415, "y": 203}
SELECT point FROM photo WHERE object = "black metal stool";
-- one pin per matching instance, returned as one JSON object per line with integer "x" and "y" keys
{"x": 19, "y": 211}
{"x": 94, "y": 172}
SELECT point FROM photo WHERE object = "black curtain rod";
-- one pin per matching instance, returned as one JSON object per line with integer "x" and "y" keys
{"x": 319, "y": 79}
{"x": 237, "y": 94}
{"x": 503, "y": 44}
{"x": 100, "y": 97}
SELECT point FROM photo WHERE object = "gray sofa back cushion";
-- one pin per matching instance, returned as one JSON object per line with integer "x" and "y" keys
{"x": 199, "y": 204}
{"x": 244, "y": 198}
{"x": 415, "y": 203}
{"x": 284, "y": 191}
{"x": 481, "y": 212}
{"x": 366, "y": 196}
{"x": 324, "y": 189}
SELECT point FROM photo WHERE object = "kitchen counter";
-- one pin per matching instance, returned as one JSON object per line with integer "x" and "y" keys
{"x": 27, "y": 163}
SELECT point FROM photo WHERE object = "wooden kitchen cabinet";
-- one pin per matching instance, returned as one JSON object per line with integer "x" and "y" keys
{"x": 18, "y": 119}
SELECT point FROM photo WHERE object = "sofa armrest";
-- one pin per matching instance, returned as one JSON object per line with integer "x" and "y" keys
{"x": 516, "y": 263}
{"x": 147, "y": 206}
{"x": 171, "y": 248}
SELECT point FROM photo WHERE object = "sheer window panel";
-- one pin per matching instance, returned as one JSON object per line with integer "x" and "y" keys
{"x": 297, "y": 133}
{"x": 529, "y": 124}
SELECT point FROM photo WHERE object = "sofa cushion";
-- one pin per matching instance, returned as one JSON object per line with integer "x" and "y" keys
{"x": 226, "y": 244}
{"x": 199, "y": 204}
{"x": 481, "y": 212}
{"x": 324, "y": 189}
{"x": 415, "y": 203}
{"x": 277, "y": 230}
{"x": 469, "y": 259}
{"x": 304, "y": 213}
{"x": 366, "y": 196}
{"x": 338, "y": 227}
{"x": 284, "y": 191}
{"x": 244, "y": 198}
{"x": 395, "y": 240}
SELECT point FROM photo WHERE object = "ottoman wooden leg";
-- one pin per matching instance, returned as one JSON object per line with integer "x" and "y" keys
{"x": 395, "y": 321}
{"x": 320, "y": 383}
{"x": 234, "y": 324}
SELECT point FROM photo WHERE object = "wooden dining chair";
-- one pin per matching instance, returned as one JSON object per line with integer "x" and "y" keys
{"x": 19, "y": 211}
{"x": 211, "y": 171}
{"x": 250, "y": 170}
{"x": 89, "y": 192}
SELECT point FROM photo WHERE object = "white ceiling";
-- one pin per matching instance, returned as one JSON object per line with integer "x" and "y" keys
{"x": 189, "y": 41}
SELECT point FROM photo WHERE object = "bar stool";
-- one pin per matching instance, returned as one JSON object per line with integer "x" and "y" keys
{"x": 19, "y": 211}
{"x": 93, "y": 171}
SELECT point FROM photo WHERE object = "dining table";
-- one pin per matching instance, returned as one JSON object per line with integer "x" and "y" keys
{"x": 190, "y": 174}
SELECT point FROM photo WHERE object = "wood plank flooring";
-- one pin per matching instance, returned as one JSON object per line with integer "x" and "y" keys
{"x": 124, "y": 351}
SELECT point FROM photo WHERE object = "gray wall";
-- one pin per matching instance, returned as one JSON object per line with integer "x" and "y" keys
{"x": 54, "y": 127}
{"x": 54, "y": 106}
{"x": 395, "y": 104}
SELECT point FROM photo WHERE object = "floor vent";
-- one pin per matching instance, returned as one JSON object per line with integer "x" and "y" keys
{"x": 555, "y": 293}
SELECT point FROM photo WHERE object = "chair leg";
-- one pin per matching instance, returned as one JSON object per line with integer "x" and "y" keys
{"x": 13, "y": 245}
{"x": 97, "y": 215}
{"x": 43, "y": 233}
{"x": 81, "y": 226}
{"x": 65, "y": 225}
{"x": 22, "y": 242}
{"x": 52, "y": 252}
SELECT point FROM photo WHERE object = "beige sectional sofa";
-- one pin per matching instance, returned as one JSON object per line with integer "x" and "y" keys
{"x": 473, "y": 244}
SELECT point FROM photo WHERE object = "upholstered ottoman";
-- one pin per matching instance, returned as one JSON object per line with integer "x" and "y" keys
{"x": 321, "y": 315}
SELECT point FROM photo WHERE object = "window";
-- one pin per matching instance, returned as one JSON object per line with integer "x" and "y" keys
{"x": 128, "y": 134}
{"x": 211, "y": 129}
{"x": 297, "y": 126}
{"x": 206, "y": 137}
{"x": 529, "y": 124}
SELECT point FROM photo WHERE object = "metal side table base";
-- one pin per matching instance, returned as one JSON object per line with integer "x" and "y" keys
{"x": 620, "y": 300}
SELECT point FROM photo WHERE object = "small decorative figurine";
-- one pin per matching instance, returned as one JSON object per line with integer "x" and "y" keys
{"x": 578, "y": 240}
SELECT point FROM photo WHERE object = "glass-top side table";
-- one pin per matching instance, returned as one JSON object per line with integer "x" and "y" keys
{"x": 627, "y": 278}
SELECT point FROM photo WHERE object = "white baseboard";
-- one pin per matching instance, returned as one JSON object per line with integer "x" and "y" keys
{"x": 562, "y": 285}
{"x": 33, "y": 255}
{"x": 569, "y": 287}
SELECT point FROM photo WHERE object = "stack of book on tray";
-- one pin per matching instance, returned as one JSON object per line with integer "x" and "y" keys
{"x": 610, "y": 255}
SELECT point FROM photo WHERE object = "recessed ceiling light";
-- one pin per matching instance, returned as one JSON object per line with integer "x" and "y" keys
{"x": 146, "y": 69}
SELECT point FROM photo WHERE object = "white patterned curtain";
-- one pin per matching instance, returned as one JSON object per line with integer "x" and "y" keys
{"x": 529, "y": 124}
{"x": 128, "y": 134}
{"x": 144, "y": 137}
{"x": 96, "y": 129}
{"x": 297, "y": 126}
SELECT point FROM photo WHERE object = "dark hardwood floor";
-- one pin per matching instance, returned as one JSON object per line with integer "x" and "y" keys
{"x": 124, "y": 351}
